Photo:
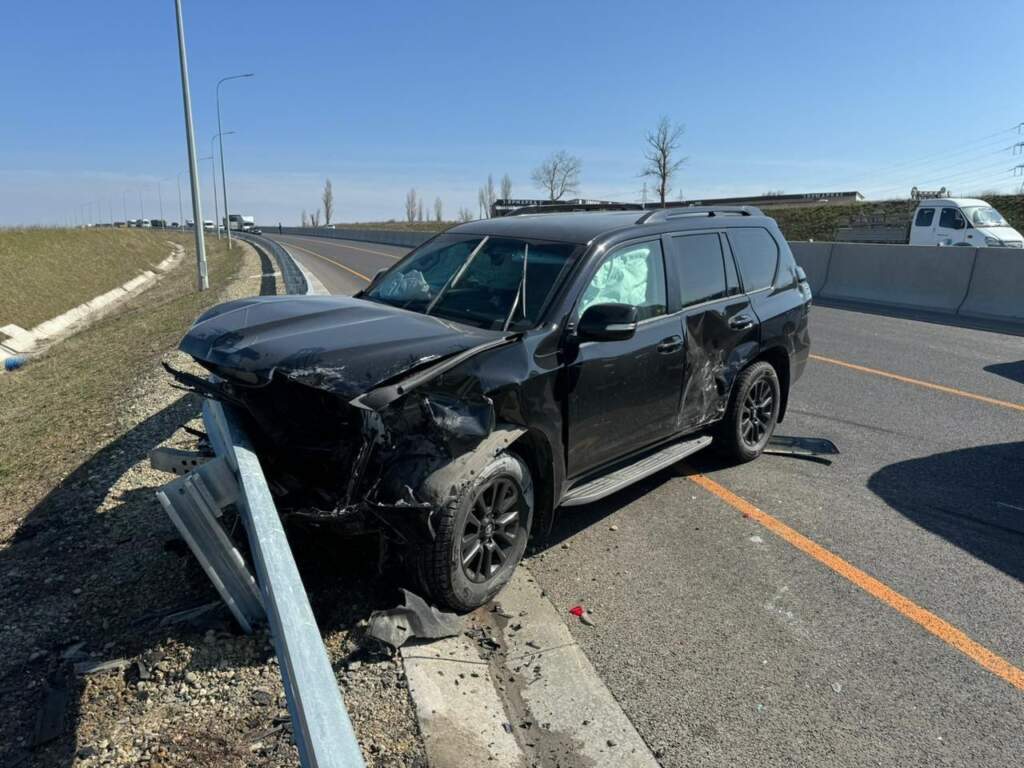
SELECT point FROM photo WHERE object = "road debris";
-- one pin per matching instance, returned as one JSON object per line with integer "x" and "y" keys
{"x": 50, "y": 718}
{"x": 414, "y": 619}
{"x": 582, "y": 614}
{"x": 810, "y": 448}
{"x": 95, "y": 667}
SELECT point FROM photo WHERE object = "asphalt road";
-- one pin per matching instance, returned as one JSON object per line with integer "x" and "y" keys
{"x": 786, "y": 612}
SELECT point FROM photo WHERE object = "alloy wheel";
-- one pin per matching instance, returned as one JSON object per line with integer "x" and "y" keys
{"x": 492, "y": 528}
{"x": 758, "y": 412}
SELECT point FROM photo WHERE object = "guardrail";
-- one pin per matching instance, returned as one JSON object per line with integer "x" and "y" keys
{"x": 401, "y": 237}
{"x": 291, "y": 275}
{"x": 321, "y": 726}
{"x": 984, "y": 286}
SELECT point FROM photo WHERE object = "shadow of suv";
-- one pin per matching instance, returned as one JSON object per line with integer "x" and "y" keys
{"x": 511, "y": 366}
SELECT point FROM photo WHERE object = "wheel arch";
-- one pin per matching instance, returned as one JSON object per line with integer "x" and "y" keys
{"x": 535, "y": 450}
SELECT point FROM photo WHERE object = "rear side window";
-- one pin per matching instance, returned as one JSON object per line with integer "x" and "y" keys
{"x": 700, "y": 267}
{"x": 951, "y": 218}
{"x": 924, "y": 217}
{"x": 757, "y": 255}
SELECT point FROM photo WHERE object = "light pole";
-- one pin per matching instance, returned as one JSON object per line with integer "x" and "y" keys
{"x": 160, "y": 197}
{"x": 219, "y": 138}
{"x": 142, "y": 211}
{"x": 213, "y": 171}
{"x": 203, "y": 280}
{"x": 220, "y": 132}
{"x": 124, "y": 205}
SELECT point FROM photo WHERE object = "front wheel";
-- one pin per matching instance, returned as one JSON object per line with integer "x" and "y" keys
{"x": 480, "y": 536}
{"x": 752, "y": 413}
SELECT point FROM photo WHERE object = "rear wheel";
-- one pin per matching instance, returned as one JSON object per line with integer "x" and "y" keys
{"x": 481, "y": 536}
{"x": 752, "y": 413}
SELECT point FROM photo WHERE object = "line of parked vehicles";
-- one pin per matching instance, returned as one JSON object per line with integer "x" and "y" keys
{"x": 235, "y": 221}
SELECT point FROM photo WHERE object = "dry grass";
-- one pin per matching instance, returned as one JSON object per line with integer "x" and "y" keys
{"x": 63, "y": 406}
{"x": 45, "y": 272}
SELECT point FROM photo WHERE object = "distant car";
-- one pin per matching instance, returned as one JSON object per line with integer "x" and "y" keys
{"x": 327, "y": 226}
{"x": 189, "y": 223}
{"x": 255, "y": 231}
{"x": 208, "y": 225}
{"x": 174, "y": 225}
{"x": 146, "y": 223}
{"x": 962, "y": 221}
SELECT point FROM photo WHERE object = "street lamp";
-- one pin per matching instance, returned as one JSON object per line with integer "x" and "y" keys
{"x": 181, "y": 214}
{"x": 219, "y": 138}
{"x": 223, "y": 178}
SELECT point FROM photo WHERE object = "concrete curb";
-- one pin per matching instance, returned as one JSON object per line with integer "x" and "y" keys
{"x": 524, "y": 704}
{"x": 15, "y": 341}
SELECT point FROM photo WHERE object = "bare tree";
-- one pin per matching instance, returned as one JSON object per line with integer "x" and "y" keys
{"x": 305, "y": 219}
{"x": 314, "y": 219}
{"x": 491, "y": 193}
{"x": 419, "y": 210}
{"x": 481, "y": 202}
{"x": 662, "y": 143}
{"x": 328, "y": 200}
{"x": 559, "y": 175}
{"x": 465, "y": 214}
{"x": 410, "y": 206}
{"x": 506, "y": 187}
{"x": 438, "y": 209}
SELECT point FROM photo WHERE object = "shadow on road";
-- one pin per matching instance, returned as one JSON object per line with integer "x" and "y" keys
{"x": 973, "y": 498}
{"x": 1011, "y": 371}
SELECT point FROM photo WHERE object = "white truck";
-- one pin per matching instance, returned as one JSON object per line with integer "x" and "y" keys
{"x": 962, "y": 221}
{"x": 240, "y": 222}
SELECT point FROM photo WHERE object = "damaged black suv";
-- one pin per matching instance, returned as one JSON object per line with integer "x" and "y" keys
{"x": 508, "y": 367}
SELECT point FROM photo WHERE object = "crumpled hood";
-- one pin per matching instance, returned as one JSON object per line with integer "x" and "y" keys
{"x": 337, "y": 343}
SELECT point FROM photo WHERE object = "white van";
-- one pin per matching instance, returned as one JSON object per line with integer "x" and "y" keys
{"x": 962, "y": 221}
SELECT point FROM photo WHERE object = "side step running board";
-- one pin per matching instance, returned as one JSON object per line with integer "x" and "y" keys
{"x": 608, "y": 484}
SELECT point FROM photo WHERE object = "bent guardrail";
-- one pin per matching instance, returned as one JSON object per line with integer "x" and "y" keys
{"x": 322, "y": 729}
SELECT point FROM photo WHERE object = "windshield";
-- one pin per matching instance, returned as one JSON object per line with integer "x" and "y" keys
{"x": 491, "y": 282}
{"x": 985, "y": 216}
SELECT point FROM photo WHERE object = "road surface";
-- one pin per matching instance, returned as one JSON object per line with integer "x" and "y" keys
{"x": 787, "y": 612}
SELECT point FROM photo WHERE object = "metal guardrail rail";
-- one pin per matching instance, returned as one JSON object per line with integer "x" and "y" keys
{"x": 401, "y": 237}
{"x": 322, "y": 729}
{"x": 292, "y": 277}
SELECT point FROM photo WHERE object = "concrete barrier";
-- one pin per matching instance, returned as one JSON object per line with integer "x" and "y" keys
{"x": 997, "y": 286}
{"x": 814, "y": 258}
{"x": 931, "y": 278}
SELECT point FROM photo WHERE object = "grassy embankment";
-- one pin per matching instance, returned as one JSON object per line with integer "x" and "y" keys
{"x": 797, "y": 222}
{"x": 48, "y": 271}
{"x": 64, "y": 405}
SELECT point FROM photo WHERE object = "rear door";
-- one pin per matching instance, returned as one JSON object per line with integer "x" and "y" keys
{"x": 718, "y": 325}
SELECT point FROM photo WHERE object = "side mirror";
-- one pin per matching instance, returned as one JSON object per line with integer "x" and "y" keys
{"x": 607, "y": 322}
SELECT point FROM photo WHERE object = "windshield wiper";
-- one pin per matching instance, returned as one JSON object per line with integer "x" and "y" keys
{"x": 520, "y": 291}
{"x": 455, "y": 277}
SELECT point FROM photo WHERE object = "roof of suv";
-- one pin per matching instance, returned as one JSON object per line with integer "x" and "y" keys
{"x": 584, "y": 226}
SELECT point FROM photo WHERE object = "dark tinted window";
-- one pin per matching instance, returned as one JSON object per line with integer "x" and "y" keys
{"x": 924, "y": 217}
{"x": 757, "y": 255}
{"x": 700, "y": 267}
{"x": 951, "y": 218}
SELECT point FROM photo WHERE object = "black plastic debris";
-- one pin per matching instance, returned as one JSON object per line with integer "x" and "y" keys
{"x": 414, "y": 619}
{"x": 810, "y": 448}
{"x": 52, "y": 714}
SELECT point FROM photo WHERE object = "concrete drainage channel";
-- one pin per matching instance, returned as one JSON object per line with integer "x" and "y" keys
{"x": 16, "y": 343}
{"x": 508, "y": 687}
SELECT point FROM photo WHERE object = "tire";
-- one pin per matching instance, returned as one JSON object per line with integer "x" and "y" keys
{"x": 459, "y": 569}
{"x": 750, "y": 418}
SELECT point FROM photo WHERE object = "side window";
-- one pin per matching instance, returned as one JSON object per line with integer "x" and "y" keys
{"x": 951, "y": 218}
{"x": 757, "y": 255}
{"x": 634, "y": 274}
{"x": 924, "y": 217}
{"x": 701, "y": 268}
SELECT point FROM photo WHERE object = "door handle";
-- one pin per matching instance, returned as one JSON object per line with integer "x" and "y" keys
{"x": 670, "y": 344}
{"x": 740, "y": 323}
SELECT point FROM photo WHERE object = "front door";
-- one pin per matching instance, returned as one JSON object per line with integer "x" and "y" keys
{"x": 624, "y": 395}
{"x": 951, "y": 228}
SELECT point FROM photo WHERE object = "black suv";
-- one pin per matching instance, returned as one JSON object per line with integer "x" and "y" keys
{"x": 508, "y": 367}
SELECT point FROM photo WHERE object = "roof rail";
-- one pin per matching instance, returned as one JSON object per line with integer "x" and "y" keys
{"x": 571, "y": 207}
{"x": 664, "y": 214}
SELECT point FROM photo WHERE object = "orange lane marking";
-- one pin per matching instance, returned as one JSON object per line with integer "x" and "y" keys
{"x": 942, "y": 629}
{"x": 345, "y": 244}
{"x": 918, "y": 382}
{"x": 360, "y": 275}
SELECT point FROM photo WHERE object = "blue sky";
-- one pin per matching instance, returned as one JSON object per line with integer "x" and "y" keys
{"x": 381, "y": 97}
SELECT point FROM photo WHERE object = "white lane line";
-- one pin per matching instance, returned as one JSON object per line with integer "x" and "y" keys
{"x": 345, "y": 245}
